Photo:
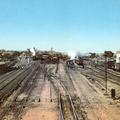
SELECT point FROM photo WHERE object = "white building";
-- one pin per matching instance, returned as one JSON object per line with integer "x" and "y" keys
{"x": 117, "y": 65}
{"x": 118, "y": 57}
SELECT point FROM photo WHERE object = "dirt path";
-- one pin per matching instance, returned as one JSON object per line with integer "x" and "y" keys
{"x": 45, "y": 110}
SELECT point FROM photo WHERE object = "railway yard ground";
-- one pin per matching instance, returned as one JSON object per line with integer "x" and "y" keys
{"x": 58, "y": 92}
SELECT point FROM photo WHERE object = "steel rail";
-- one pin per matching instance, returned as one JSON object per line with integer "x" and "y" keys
{"x": 6, "y": 109}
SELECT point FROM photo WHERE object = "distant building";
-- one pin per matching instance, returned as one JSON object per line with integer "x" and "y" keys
{"x": 118, "y": 57}
{"x": 117, "y": 64}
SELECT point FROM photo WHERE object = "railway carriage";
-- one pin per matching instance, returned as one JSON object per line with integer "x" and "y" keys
{"x": 2, "y": 68}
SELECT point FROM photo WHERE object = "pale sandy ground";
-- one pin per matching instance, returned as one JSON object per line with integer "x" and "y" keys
{"x": 97, "y": 106}
{"x": 46, "y": 110}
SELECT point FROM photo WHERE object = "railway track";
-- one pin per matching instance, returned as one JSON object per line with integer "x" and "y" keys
{"x": 69, "y": 98}
{"x": 21, "y": 86}
{"x": 94, "y": 78}
{"x": 8, "y": 73}
{"x": 7, "y": 76}
{"x": 98, "y": 75}
{"x": 111, "y": 74}
{"x": 67, "y": 101}
{"x": 27, "y": 91}
{"x": 85, "y": 99}
{"x": 8, "y": 80}
{"x": 66, "y": 105}
{"x": 7, "y": 89}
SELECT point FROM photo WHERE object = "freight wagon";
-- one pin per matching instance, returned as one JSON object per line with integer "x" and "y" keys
{"x": 3, "y": 67}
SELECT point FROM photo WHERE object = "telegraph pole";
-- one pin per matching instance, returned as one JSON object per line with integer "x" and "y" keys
{"x": 57, "y": 64}
{"x": 106, "y": 74}
{"x": 107, "y": 54}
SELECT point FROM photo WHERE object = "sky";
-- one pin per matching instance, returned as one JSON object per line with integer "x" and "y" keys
{"x": 64, "y": 25}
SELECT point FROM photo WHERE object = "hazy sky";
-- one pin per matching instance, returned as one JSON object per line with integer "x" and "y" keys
{"x": 79, "y": 25}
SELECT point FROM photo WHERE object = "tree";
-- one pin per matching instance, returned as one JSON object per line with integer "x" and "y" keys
{"x": 108, "y": 54}
{"x": 93, "y": 55}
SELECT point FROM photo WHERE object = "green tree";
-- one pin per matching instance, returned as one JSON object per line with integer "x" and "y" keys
{"x": 108, "y": 54}
{"x": 93, "y": 55}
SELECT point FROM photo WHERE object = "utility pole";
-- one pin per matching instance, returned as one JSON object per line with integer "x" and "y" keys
{"x": 57, "y": 64}
{"x": 107, "y": 54}
{"x": 106, "y": 74}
